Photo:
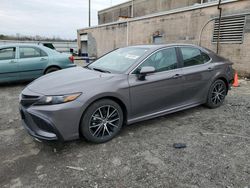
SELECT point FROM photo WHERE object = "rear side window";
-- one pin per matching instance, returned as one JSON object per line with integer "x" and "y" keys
{"x": 30, "y": 52}
{"x": 7, "y": 53}
{"x": 193, "y": 56}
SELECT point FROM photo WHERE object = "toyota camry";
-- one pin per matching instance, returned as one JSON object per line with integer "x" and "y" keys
{"x": 125, "y": 86}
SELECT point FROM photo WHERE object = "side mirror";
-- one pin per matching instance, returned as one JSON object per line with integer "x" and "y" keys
{"x": 144, "y": 71}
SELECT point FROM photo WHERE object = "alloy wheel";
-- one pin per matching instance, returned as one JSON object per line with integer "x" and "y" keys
{"x": 104, "y": 121}
{"x": 218, "y": 93}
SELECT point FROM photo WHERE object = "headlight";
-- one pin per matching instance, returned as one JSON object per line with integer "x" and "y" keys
{"x": 50, "y": 100}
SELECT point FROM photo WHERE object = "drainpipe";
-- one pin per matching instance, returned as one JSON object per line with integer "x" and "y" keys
{"x": 127, "y": 33}
{"x": 202, "y": 29}
{"x": 218, "y": 39}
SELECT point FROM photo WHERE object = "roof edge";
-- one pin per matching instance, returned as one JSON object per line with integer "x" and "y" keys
{"x": 114, "y": 6}
{"x": 168, "y": 12}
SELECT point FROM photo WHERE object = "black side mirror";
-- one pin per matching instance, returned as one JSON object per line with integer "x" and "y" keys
{"x": 144, "y": 71}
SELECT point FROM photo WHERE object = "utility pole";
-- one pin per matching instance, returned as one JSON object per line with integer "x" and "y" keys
{"x": 89, "y": 13}
{"x": 219, "y": 27}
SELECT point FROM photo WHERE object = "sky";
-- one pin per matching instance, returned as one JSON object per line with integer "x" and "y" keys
{"x": 50, "y": 18}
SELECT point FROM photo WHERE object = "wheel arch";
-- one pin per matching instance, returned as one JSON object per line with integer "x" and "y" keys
{"x": 51, "y": 66}
{"x": 224, "y": 79}
{"x": 115, "y": 99}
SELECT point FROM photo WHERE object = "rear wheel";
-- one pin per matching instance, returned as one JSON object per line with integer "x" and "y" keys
{"x": 102, "y": 121}
{"x": 217, "y": 94}
{"x": 51, "y": 69}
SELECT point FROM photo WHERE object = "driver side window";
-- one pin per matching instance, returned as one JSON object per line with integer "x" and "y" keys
{"x": 162, "y": 60}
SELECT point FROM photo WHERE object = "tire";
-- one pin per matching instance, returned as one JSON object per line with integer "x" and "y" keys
{"x": 51, "y": 69}
{"x": 102, "y": 121}
{"x": 216, "y": 94}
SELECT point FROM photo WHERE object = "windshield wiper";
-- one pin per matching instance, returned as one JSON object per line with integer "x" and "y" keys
{"x": 86, "y": 67}
{"x": 101, "y": 70}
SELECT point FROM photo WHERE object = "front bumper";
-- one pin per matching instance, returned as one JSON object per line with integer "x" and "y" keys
{"x": 51, "y": 122}
{"x": 39, "y": 127}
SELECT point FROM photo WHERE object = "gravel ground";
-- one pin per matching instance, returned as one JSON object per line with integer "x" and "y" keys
{"x": 217, "y": 153}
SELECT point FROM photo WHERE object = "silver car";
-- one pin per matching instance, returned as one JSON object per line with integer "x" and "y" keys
{"x": 125, "y": 86}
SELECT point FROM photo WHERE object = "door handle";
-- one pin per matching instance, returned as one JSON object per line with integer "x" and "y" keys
{"x": 177, "y": 76}
{"x": 43, "y": 59}
{"x": 210, "y": 68}
{"x": 12, "y": 61}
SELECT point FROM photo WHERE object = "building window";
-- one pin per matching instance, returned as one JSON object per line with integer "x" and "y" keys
{"x": 157, "y": 40}
{"x": 231, "y": 29}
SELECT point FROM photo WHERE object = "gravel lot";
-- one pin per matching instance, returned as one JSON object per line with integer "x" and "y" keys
{"x": 217, "y": 153}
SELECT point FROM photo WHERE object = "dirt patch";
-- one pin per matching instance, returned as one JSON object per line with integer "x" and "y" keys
{"x": 217, "y": 152}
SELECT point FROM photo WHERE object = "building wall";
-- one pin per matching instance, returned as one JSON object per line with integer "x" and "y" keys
{"x": 179, "y": 27}
{"x": 114, "y": 13}
{"x": 145, "y": 7}
{"x": 141, "y": 8}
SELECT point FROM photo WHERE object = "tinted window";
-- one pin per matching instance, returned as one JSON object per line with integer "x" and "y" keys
{"x": 162, "y": 61}
{"x": 7, "y": 53}
{"x": 30, "y": 52}
{"x": 193, "y": 56}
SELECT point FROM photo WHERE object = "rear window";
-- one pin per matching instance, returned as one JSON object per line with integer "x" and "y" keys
{"x": 31, "y": 52}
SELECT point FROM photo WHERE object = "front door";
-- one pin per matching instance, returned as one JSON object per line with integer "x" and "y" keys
{"x": 32, "y": 62}
{"x": 8, "y": 64}
{"x": 159, "y": 91}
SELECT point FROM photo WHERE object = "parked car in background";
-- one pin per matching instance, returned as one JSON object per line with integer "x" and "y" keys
{"x": 124, "y": 86}
{"x": 19, "y": 62}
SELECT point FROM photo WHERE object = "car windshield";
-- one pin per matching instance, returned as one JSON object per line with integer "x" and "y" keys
{"x": 118, "y": 61}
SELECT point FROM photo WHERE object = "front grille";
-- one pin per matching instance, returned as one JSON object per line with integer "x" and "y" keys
{"x": 28, "y": 100}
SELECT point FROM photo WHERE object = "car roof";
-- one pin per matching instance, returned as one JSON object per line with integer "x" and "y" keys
{"x": 40, "y": 45}
{"x": 20, "y": 44}
{"x": 154, "y": 47}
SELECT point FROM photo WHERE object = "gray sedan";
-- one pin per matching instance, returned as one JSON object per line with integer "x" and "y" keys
{"x": 125, "y": 86}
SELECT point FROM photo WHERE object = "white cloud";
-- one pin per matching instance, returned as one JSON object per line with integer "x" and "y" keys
{"x": 47, "y": 17}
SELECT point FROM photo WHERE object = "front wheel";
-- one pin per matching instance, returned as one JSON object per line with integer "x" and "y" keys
{"x": 217, "y": 94}
{"x": 102, "y": 121}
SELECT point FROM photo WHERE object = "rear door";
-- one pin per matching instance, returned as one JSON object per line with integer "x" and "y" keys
{"x": 32, "y": 62}
{"x": 8, "y": 64}
{"x": 197, "y": 72}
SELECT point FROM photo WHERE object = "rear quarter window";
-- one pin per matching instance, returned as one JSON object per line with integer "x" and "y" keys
{"x": 193, "y": 56}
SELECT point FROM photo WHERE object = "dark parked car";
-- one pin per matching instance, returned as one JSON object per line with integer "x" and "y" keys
{"x": 125, "y": 86}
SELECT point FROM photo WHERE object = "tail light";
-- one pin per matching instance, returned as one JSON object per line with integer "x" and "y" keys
{"x": 71, "y": 58}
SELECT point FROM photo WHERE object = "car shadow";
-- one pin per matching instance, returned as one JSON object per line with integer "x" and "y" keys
{"x": 14, "y": 84}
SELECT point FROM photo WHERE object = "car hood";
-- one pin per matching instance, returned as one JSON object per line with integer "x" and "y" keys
{"x": 68, "y": 81}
